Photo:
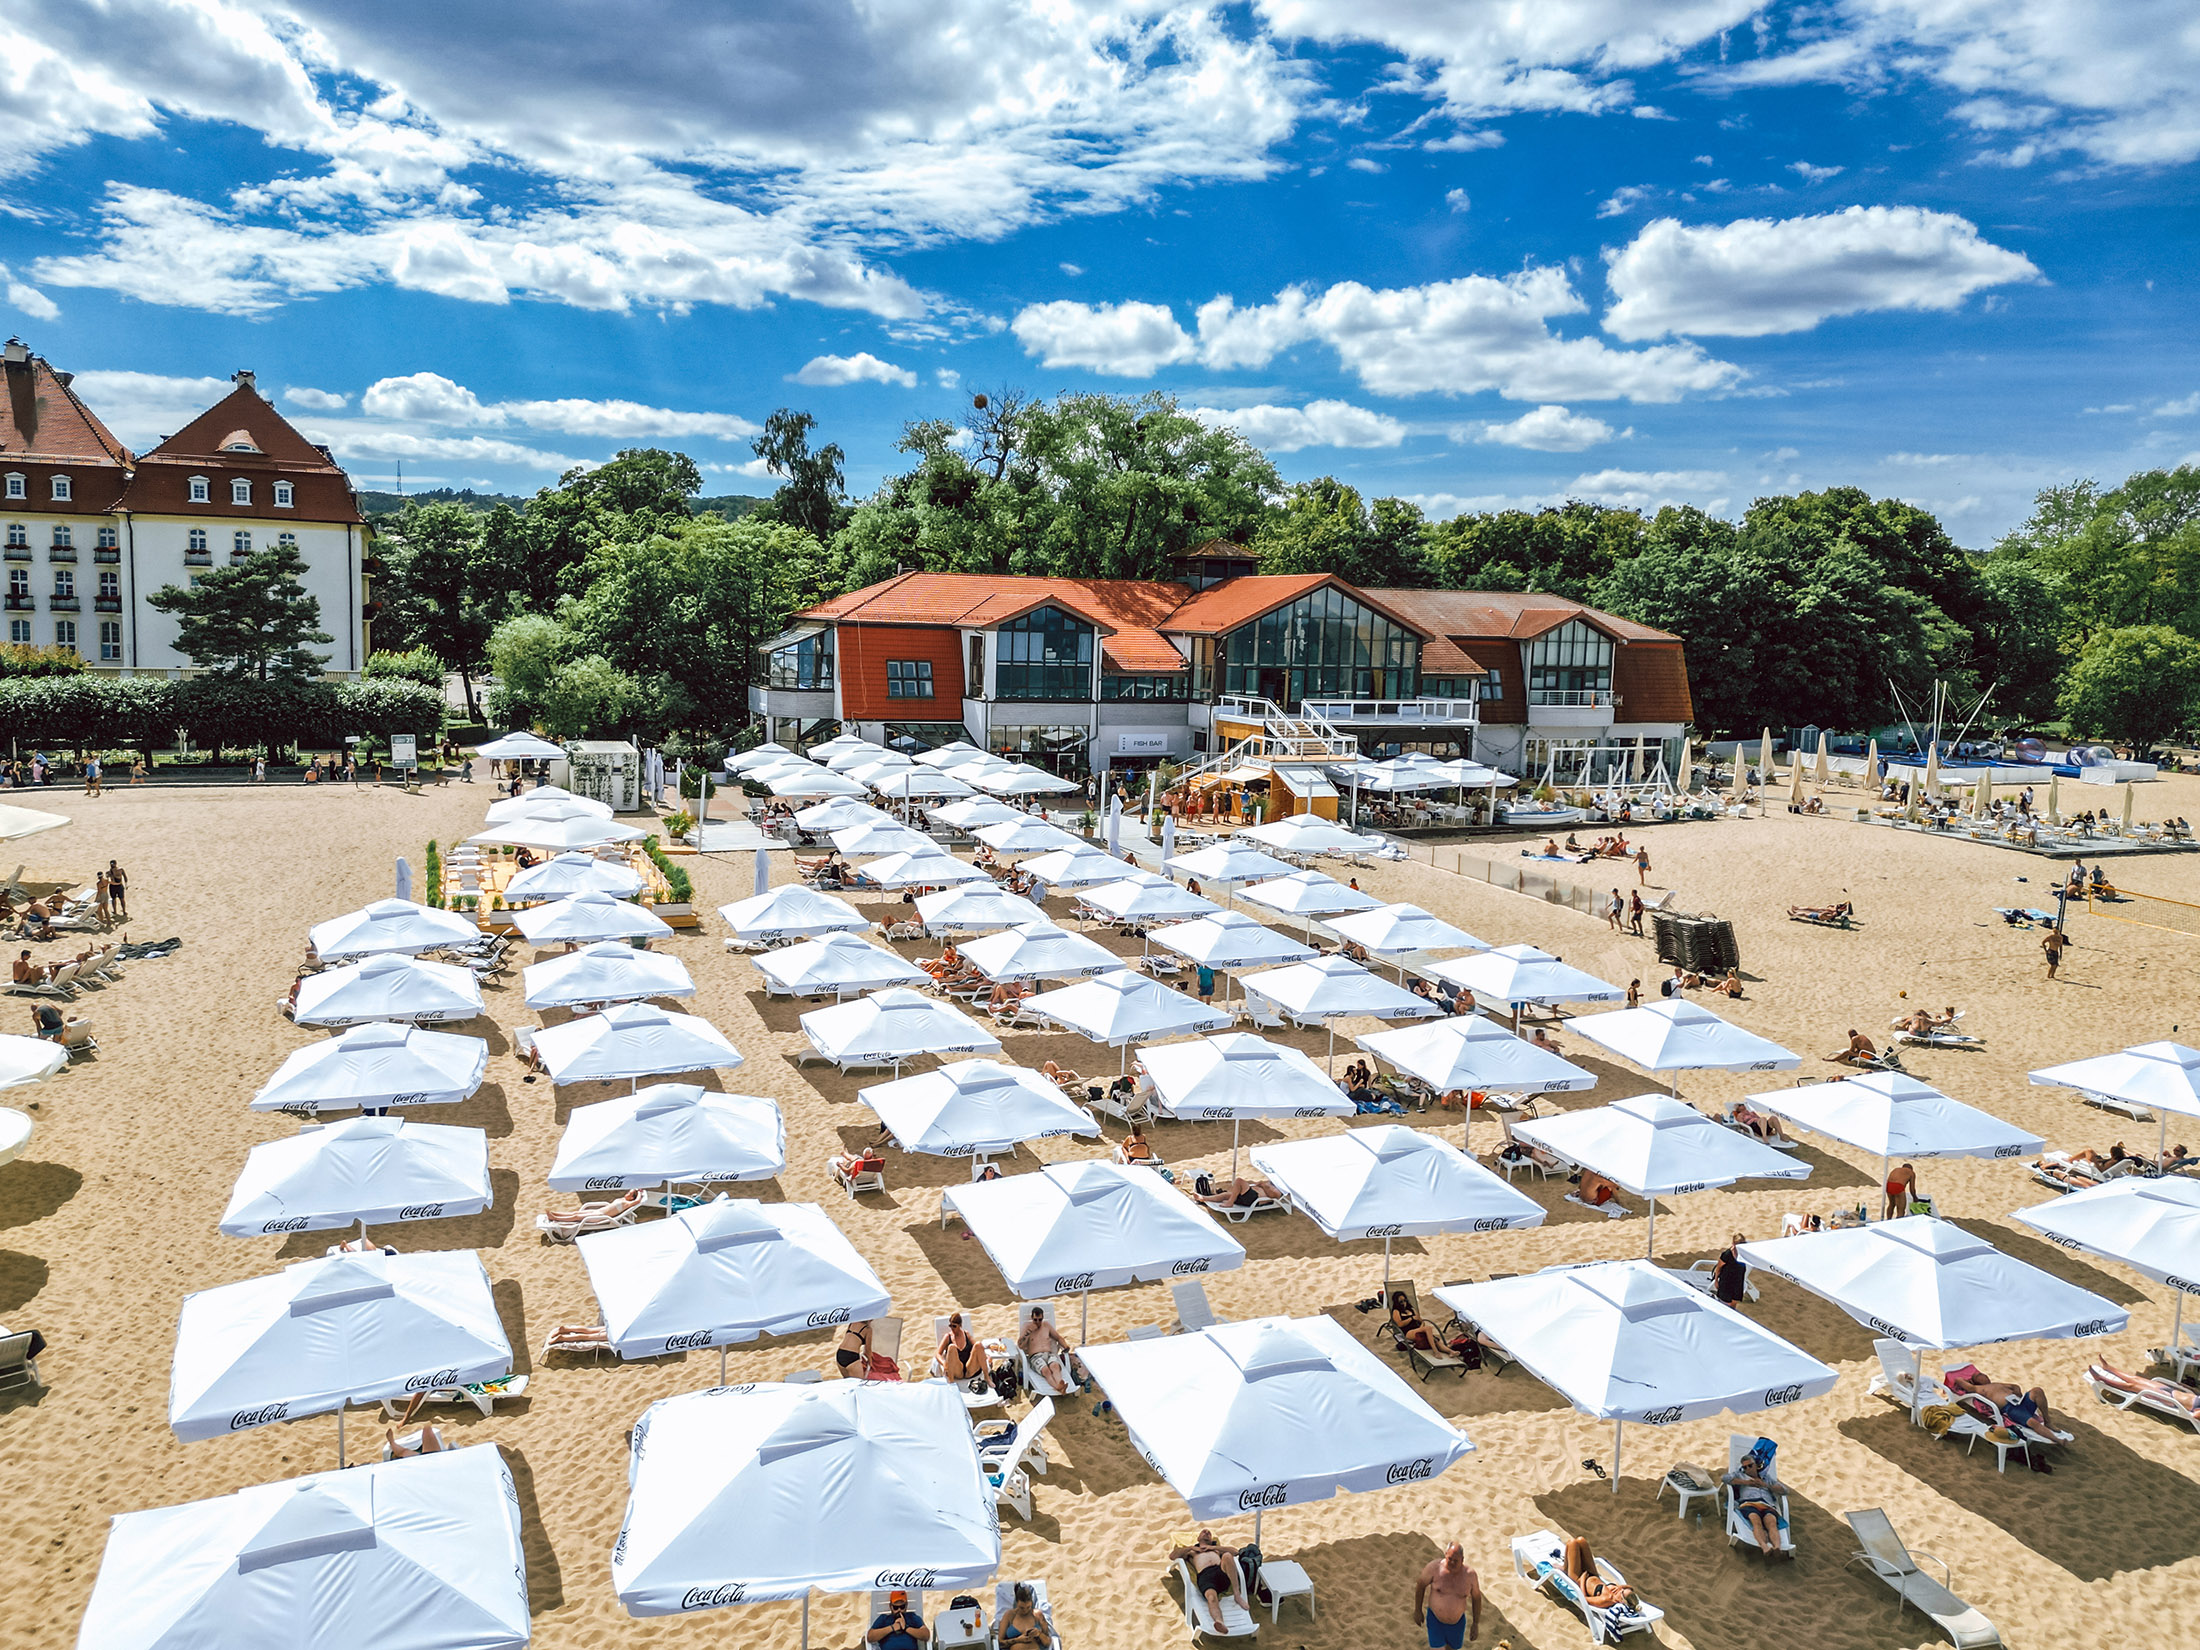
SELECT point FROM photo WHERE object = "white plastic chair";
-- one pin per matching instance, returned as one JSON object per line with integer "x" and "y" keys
{"x": 1192, "y": 1308}
{"x": 1539, "y": 1559}
{"x": 1737, "y": 1525}
{"x": 1892, "y": 1562}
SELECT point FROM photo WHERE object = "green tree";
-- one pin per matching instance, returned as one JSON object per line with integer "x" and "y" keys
{"x": 2123, "y": 557}
{"x": 436, "y": 591}
{"x": 21, "y": 659}
{"x": 1325, "y": 527}
{"x": 1566, "y": 550}
{"x": 2137, "y": 685}
{"x": 812, "y": 489}
{"x": 2023, "y": 621}
{"x": 525, "y": 652}
{"x": 418, "y": 664}
{"x": 541, "y": 551}
{"x": 250, "y": 619}
{"x": 589, "y": 698}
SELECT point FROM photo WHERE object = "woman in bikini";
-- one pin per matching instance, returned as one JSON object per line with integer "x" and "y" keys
{"x": 1581, "y": 1566}
{"x": 960, "y": 1356}
{"x": 853, "y": 1355}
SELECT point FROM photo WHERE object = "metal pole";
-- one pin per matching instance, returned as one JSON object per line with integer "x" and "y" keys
{"x": 1386, "y": 1268}
{"x": 721, "y": 1366}
{"x": 341, "y": 1460}
{"x": 1917, "y": 1384}
{"x": 1084, "y": 1315}
{"x": 805, "y": 1621}
{"x": 1619, "y": 1429}
{"x": 1650, "y": 1247}
{"x": 1235, "y": 1125}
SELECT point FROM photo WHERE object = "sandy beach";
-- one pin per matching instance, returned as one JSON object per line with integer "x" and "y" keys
{"x": 108, "y": 1221}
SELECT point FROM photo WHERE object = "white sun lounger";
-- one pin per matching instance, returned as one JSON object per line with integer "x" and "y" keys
{"x": 1027, "y": 1435}
{"x": 1011, "y": 1485}
{"x": 862, "y": 1180}
{"x": 1034, "y": 1383}
{"x": 2121, "y": 1399}
{"x": 1893, "y": 1382}
{"x": 1738, "y": 1531}
{"x": 1539, "y": 1559}
{"x": 1205, "y": 1621}
{"x": 483, "y": 1395}
{"x": 1894, "y": 1564}
{"x": 1192, "y": 1308}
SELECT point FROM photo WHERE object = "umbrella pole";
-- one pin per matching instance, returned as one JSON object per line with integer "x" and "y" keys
{"x": 1235, "y": 1125}
{"x": 1332, "y": 1056}
{"x": 1084, "y": 1315}
{"x": 721, "y": 1366}
{"x": 805, "y": 1621}
{"x": 1386, "y": 1268}
{"x": 1256, "y": 1526}
{"x": 1917, "y": 1385}
{"x": 2177, "y": 1325}
{"x": 1619, "y": 1432}
{"x": 341, "y": 1460}
{"x": 1650, "y": 1245}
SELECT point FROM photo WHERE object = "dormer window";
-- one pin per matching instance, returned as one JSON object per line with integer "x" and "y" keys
{"x": 62, "y": 491}
{"x": 282, "y": 495}
{"x": 201, "y": 491}
{"x": 239, "y": 441}
{"x": 16, "y": 486}
{"x": 240, "y": 492}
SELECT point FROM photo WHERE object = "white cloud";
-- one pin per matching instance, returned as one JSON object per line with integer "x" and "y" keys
{"x": 314, "y": 400}
{"x": 1760, "y": 275}
{"x": 28, "y": 298}
{"x": 1627, "y": 199}
{"x": 425, "y": 398}
{"x": 1125, "y": 340}
{"x": 2173, "y": 409}
{"x": 860, "y": 368}
{"x": 1360, "y": 163}
{"x": 1926, "y": 461}
{"x": 1650, "y": 489}
{"x": 360, "y": 440}
{"x": 430, "y": 398}
{"x": 1457, "y": 200}
{"x": 1547, "y": 429}
{"x": 144, "y": 407}
{"x": 948, "y": 378}
{"x": 1071, "y": 270}
{"x": 1317, "y": 424}
{"x": 1814, "y": 174}
{"x": 756, "y": 469}
{"x": 2114, "y": 407}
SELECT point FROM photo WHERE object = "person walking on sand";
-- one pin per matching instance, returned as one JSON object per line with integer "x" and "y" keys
{"x": 1447, "y": 1600}
{"x": 1642, "y": 867}
{"x": 118, "y": 881}
{"x": 1614, "y": 911}
{"x": 2052, "y": 944}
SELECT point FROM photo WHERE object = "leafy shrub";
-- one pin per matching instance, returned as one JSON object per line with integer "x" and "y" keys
{"x": 417, "y": 664}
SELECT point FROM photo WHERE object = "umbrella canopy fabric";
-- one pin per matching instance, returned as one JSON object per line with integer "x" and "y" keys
{"x": 519, "y": 746}
{"x": 1467, "y": 1051}
{"x": 373, "y": 1170}
{"x": 1929, "y": 1283}
{"x": 894, "y": 1025}
{"x": 979, "y": 810}
{"x": 1681, "y": 1036}
{"x": 610, "y": 971}
{"x": 1624, "y": 1340}
{"x": 976, "y": 908}
{"x": 377, "y": 1066}
{"x": 21, "y": 822}
{"x": 28, "y": 1060}
{"x": 1123, "y": 1008}
{"x": 632, "y": 1040}
{"x": 420, "y": 1554}
{"x": 791, "y": 911}
{"x": 1309, "y": 894}
{"x": 1141, "y": 896}
{"x": 1522, "y": 974}
{"x": 751, "y": 1493}
{"x": 1271, "y": 1413}
{"x": 875, "y": 770}
{"x": 541, "y": 800}
{"x": 949, "y": 755}
{"x": 840, "y": 743}
{"x": 1038, "y": 951}
{"x": 882, "y": 836}
{"x": 1238, "y": 1075}
{"x": 1230, "y": 939}
{"x": 666, "y": 1133}
{"x": 1391, "y": 1181}
{"x": 567, "y": 826}
{"x": 931, "y": 866}
{"x": 1394, "y": 930}
{"x": 918, "y": 782}
{"x": 1892, "y": 1115}
{"x": 586, "y": 918}
{"x": 1022, "y": 779}
{"x": 725, "y": 1273}
{"x": 573, "y": 873}
{"x": 787, "y": 780}
{"x": 1026, "y": 835}
{"x": 390, "y": 927}
{"x": 2151, "y": 1225}
{"x": 1305, "y": 834}
{"x": 2162, "y": 1077}
{"x": 757, "y": 757}
{"x": 387, "y": 986}
{"x": 323, "y": 1333}
{"x": 1075, "y": 867}
{"x": 1656, "y": 1146}
{"x": 1331, "y": 988}
{"x": 853, "y": 753}
{"x": 839, "y": 963}
{"x": 1225, "y": 862}
{"x": 974, "y": 1108}
{"x": 1086, "y": 1225}
{"x": 837, "y": 813}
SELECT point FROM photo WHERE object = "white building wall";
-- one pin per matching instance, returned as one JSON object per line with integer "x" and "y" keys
{"x": 40, "y": 623}
{"x": 156, "y": 552}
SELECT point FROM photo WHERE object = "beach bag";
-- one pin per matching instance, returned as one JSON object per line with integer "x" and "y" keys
{"x": 1203, "y": 1186}
{"x": 1008, "y": 1380}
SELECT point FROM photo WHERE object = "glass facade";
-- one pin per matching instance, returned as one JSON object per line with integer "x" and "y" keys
{"x": 1058, "y": 749}
{"x": 1569, "y": 666}
{"x": 1176, "y": 685}
{"x": 806, "y": 665}
{"x": 1046, "y": 654}
{"x": 912, "y": 737}
{"x": 1323, "y": 645}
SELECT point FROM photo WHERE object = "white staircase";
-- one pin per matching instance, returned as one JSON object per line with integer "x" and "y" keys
{"x": 1283, "y": 737}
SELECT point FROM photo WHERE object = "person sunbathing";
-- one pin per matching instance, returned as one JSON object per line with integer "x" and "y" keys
{"x": 1821, "y": 913}
{"x": 1550, "y": 847}
{"x": 1006, "y": 996}
{"x": 1920, "y": 1024}
{"x": 1136, "y": 1148}
{"x": 2174, "y": 1159}
{"x": 2100, "y": 1160}
{"x": 1573, "y": 844}
{"x": 852, "y": 1357}
{"x": 1595, "y": 1190}
{"x": 1215, "y": 1570}
{"x": 2019, "y": 1407}
{"x": 1240, "y": 1194}
{"x": 1062, "y": 1078}
{"x": 28, "y": 972}
{"x": 591, "y": 1212}
{"x": 960, "y": 1356}
{"x": 1860, "y": 1052}
{"x": 948, "y": 963}
{"x": 1581, "y": 1567}
{"x": 429, "y": 1442}
{"x": 1544, "y": 1040}
{"x": 2147, "y": 1386}
{"x": 1731, "y": 986}
{"x": 1047, "y": 1352}
{"x": 867, "y": 1161}
{"x": 567, "y": 1335}
{"x": 1022, "y": 1624}
{"x": 1763, "y": 1125}
{"x": 1757, "y": 1499}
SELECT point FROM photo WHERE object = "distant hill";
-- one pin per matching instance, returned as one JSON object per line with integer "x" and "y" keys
{"x": 733, "y": 506}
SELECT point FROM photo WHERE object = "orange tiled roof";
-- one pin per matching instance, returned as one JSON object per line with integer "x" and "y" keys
{"x": 41, "y": 417}
{"x": 1141, "y": 652}
{"x": 1516, "y": 615}
{"x": 1441, "y": 656}
{"x": 1233, "y": 602}
{"x": 984, "y": 599}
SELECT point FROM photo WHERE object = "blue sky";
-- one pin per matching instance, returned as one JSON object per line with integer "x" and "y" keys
{"x": 1460, "y": 251}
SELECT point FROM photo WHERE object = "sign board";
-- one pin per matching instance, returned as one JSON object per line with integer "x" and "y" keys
{"x": 403, "y": 752}
{"x": 1142, "y": 744}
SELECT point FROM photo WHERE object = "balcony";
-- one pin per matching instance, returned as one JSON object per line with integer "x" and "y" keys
{"x": 21, "y": 602}
{"x": 108, "y": 553}
{"x": 1571, "y": 707}
{"x": 198, "y": 558}
{"x": 107, "y": 604}
{"x": 61, "y": 552}
{"x": 1393, "y": 713}
{"x": 62, "y": 604}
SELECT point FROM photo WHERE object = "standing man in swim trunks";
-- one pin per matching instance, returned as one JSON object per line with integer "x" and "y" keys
{"x": 1443, "y": 1599}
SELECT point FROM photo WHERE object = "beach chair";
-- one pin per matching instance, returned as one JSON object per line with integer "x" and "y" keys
{"x": 906, "y": 929}
{"x": 483, "y": 1395}
{"x": 1004, "y": 1600}
{"x": 1254, "y": 1012}
{"x": 1237, "y": 1214}
{"x": 881, "y": 1604}
{"x": 1882, "y": 1550}
{"x": 1034, "y": 1382}
{"x": 1539, "y": 1558}
{"x": 1192, "y": 1308}
{"x": 885, "y": 1364}
{"x": 997, "y": 1438}
{"x": 1154, "y": 1162}
{"x": 17, "y": 1367}
{"x": 2120, "y": 1397}
{"x": 802, "y": 1377}
{"x": 564, "y": 1225}
{"x": 1614, "y": 1210}
{"x": 854, "y": 1181}
{"x": 77, "y": 1038}
{"x": 1514, "y": 1156}
{"x": 1206, "y": 1621}
{"x": 1418, "y": 1357}
{"x": 1005, "y": 1472}
{"x": 934, "y": 1371}
{"x": 1737, "y": 1527}
{"x": 1704, "y": 1275}
{"x": 1896, "y": 1381}
{"x": 1495, "y": 1358}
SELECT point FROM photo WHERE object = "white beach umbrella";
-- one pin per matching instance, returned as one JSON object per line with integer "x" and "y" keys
{"x": 930, "y": 867}
{"x": 1308, "y": 894}
{"x": 976, "y": 908}
{"x": 1400, "y": 930}
{"x": 1038, "y": 951}
{"x": 1929, "y": 1283}
{"x": 1305, "y": 834}
{"x": 1330, "y": 989}
{"x": 1076, "y": 1227}
{"x": 519, "y": 746}
{"x": 1272, "y": 1413}
{"x": 891, "y": 1026}
{"x": 422, "y": 1554}
{"x": 951, "y": 755}
{"x": 633, "y": 1041}
{"x": 559, "y": 830}
{"x": 791, "y": 911}
{"x": 1022, "y": 779}
{"x": 1468, "y": 1051}
{"x": 979, "y": 810}
{"x": 839, "y": 963}
{"x": 1078, "y": 867}
{"x": 1625, "y": 1341}
{"x": 1026, "y": 835}
{"x": 573, "y": 873}
{"x": 758, "y": 756}
{"x": 975, "y": 1108}
{"x": 1656, "y": 1146}
{"x": 762, "y": 772}
{"x": 324, "y": 1333}
{"x": 1893, "y": 1115}
{"x": 876, "y": 770}
{"x": 826, "y": 749}
{"x": 2152, "y": 1226}
{"x": 16, "y": 823}
{"x": 372, "y": 1170}
{"x": 725, "y": 1273}
{"x": 541, "y": 800}
{"x": 387, "y": 987}
{"x": 837, "y": 813}
{"x": 1517, "y": 974}
{"x": 1141, "y": 896}
{"x": 882, "y": 836}
{"x": 1227, "y": 863}
{"x": 1122, "y": 1008}
{"x": 2159, "y": 1077}
{"x": 28, "y": 1060}
{"x": 584, "y": 919}
{"x": 1238, "y": 1075}
{"x": 669, "y": 1133}
{"x": 1679, "y": 1036}
{"x": 393, "y": 927}
{"x": 752, "y": 1493}
{"x": 610, "y": 971}
{"x": 920, "y": 782}
{"x": 377, "y": 1066}
{"x": 786, "y": 781}
{"x": 1230, "y": 939}
{"x": 852, "y": 753}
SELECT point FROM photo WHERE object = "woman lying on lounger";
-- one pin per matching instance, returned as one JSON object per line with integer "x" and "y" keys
{"x": 1761, "y": 1124}
{"x": 960, "y": 1356}
{"x": 2148, "y": 1386}
{"x": 1581, "y": 1566}
{"x": 1415, "y": 1329}
{"x": 1821, "y": 913}
{"x": 1240, "y": 1194}
{"x": 1757, "y": 1499}
{"x": 590, "y": 1212}
{"x": 430, "y": 1440}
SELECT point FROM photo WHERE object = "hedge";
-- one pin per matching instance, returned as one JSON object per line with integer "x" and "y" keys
{"x": 145, "y": 712}
{"x": 677, "y": 881}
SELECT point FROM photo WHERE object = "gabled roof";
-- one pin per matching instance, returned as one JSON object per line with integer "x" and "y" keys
{"x": 1511, "y": 615}
{"x": 1233, "y": 602}
{"x": 981, "y": 599}
{"x": 243, "y": 412}
{"x": 1441, "y": 656}
{"x": 42, "y": 418}
{"x": 1141, "y": 652}
{"x": 214, "y": 445}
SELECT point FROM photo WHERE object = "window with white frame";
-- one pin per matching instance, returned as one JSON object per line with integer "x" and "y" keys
{"x": 195, "y": 541}
{"x": 240, "y": 492}
{"x": 63, "y": 491}
{"x": 108, "y": 540}
{"x": 19, "y": 536}
{"x": 64, "y": 634}
{"x": 17, "y": 487}
{"x": 110, "y": 587}
{"x": 282, "y": 495}
{"x": 63, "y": 537}
{"x": 64, "y": 584}
{"x": 201, "y": 490}
{"x": 110, "y": 641}
{"x": 19, "y": 632}
{"x": 19, "y": 583}
{"x": 241, "y": 544}
{"x": 287, "y": 541}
